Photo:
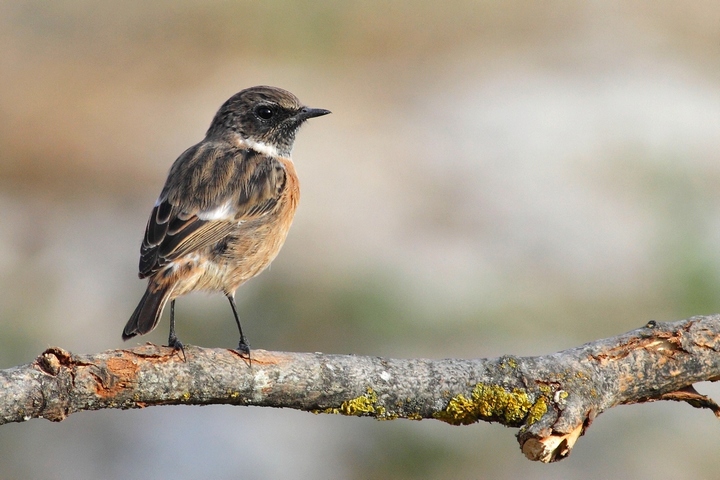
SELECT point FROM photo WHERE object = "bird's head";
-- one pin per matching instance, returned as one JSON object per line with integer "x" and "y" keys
{"x": 266, "y": 118}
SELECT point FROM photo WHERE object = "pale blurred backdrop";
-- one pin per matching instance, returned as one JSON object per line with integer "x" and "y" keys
{"x": 496, "y": 178}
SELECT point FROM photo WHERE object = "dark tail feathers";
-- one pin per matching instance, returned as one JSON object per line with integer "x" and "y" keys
{"x": 147, "y": 314}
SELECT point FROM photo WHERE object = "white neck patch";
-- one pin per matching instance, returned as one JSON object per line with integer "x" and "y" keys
{"x": 264, "y": 148}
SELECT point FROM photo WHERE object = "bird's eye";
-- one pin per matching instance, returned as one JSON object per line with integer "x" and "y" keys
{"x": 264, "y": 112}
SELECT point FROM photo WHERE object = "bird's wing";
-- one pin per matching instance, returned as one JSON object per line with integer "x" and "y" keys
{"x": 210, "y": 190}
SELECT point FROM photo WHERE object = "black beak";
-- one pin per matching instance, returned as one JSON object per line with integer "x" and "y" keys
{"x": 307, "y": 112}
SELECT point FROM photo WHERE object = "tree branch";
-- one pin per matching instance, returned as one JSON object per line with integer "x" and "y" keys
{"x": 553, "y": 399}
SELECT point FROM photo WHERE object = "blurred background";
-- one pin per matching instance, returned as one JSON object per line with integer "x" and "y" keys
{"x": 496, "y": 178}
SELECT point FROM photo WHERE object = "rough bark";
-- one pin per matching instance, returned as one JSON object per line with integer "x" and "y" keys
{"x": 553, "y": 399}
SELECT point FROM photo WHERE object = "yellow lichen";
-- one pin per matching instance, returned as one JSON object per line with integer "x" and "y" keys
{"x": 387, "y": 416}
{"x": 493, "y": 402}
{"x": 362, "y": 405}
{"x": 536, "y": 412}
{"x": 333, "y": 411}
{"x": 460, "y": 411}
{"x": 510, "y": 362}
{"x": 545, "y": 389}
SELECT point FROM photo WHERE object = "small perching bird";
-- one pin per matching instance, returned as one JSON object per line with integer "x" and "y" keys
{"x": 226, "y": 207}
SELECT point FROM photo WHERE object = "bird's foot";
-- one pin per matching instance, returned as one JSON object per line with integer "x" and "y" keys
{"x": 176, "y": 345}
{"x": 244, "y": 350}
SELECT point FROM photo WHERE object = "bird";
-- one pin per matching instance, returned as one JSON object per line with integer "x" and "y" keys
{"x": 225, "y": 209}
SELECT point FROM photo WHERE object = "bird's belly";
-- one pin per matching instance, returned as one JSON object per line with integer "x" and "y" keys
{"x": 238, "y": 258}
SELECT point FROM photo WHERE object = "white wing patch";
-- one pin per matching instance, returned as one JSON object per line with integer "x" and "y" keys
{"x": 223, "y": 212}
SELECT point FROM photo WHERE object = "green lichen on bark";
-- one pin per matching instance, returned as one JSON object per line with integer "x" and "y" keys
{"x": 494, "y": 403}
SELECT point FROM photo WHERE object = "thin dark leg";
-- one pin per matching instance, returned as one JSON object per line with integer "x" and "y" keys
{"x": 243, "y": 346}
{"x": 173, "y": 341}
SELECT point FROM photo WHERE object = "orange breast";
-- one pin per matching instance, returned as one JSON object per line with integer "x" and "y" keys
{"x": 255, "y": 244}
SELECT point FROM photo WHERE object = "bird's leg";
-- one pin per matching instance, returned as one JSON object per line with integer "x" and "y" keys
{"x": 173, "y": 341}
{"x": 243, "y": 346}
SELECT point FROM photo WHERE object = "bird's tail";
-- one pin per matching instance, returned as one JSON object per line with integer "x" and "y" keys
{"x": 147, "y": 314}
